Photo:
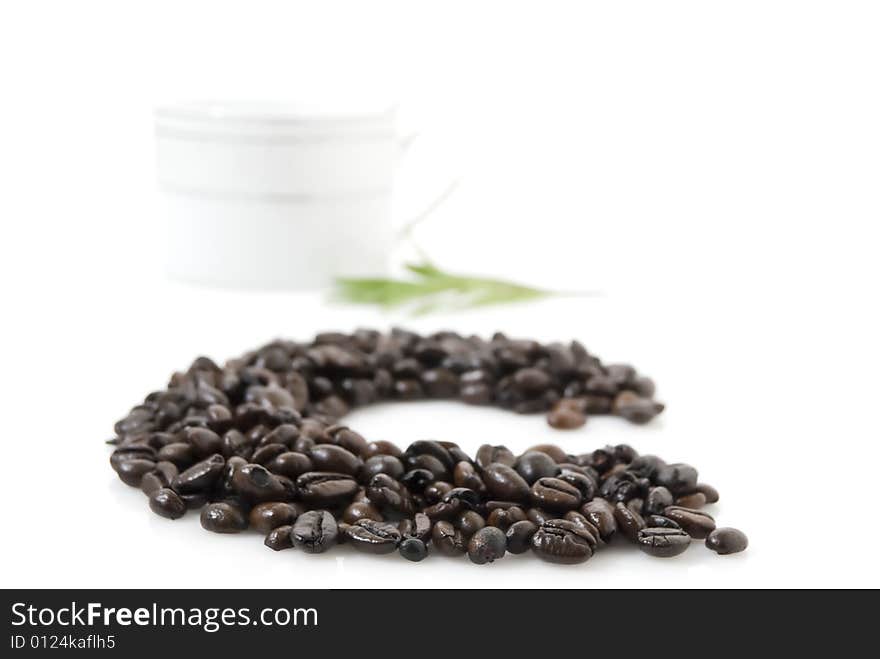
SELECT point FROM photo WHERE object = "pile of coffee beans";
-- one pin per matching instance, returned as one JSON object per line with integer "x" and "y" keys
{"x": 257, "y": 444}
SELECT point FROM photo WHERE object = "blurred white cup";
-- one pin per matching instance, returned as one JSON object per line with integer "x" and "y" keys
{"x": 275, "y": 196}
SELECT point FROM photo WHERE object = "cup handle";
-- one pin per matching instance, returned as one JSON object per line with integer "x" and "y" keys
{"x": 404, "y": 234}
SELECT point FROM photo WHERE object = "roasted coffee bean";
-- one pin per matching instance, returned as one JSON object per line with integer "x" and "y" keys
{"x": 657, "y": 500}
{"x": 131, "y": 471}
{"x": 538, "y": 516}
{"x": 279, "y": 538}
{"x": 416, "y": 480}
{"x": 677, "y": 478}
{"x": 291, "y": 464}
{"x": 693, "y": 500}
{"x": 255, "y": 483}
{"x": 373, "y": 537}
{"x": 386, "y": 492}
{"x": 533, "y": 465}
{"x": 465, "y": 475}
{"x": 567, "y": 415}
{"x": 478, "y": 393}
{"x": 204, "y": 442}
{"x": 361, "y": 510}
{"x": 658, "y": 521}
{"x": 314, "y": 531}
{"x": 629, "y": 522}
{"x": 487, "y": 545}
{"x": 519, "y": 536}
{"x": 430, "y": 463}
{"x": 266, "y": 453}
{"x": 332, "y": 458}
{"x": 447, "y": 539}
{"x": 487, "y": 455}
{"x": 503, "y": 482}
{"x": 383, "y": 464}
{"x": 696, "y": 523}
{"x": 223, "y": 517}
{"x": 554, "y": 451}
{"x": 635, "y": 408}
{"x": 413, "y": 549}
{"x": 555, "y": 494}
{"x": 709, "y": 492}
{"x": 584, "y": 484}
{"x": 469, "y": 522}
{"x": 503, "y": 518}
{"x": 727, "y": 541}
{"x": 166, "y": 503}
{"x": 382, "y": 447}
{"x": 663, "y": 542}
{"x": 421, "y": 527}
{"x": 562, "y": 541}
{"x": 201, "y": 476}
{"x": 163, "y": 475}
{"x": 318, "y": 488}
{"x": 601, "y": 515}
{"x": 267, "y": 516}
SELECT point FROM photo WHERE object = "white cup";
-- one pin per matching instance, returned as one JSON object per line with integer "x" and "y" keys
{"x": 274, "y": 196}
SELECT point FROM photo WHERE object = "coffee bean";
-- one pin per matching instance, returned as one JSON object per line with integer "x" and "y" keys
{"x": 519, "y": 536}
{"x": 201, "y": 476}
{"x": 694, "y": 500}
{"x": 629, "y": 522}
{"x": 555, "y": 494}
{"x": 487, "y": 545}
{"x": 469, "y": 522}
{"x": 487, "y": 455}
{"x": 657, "y": 500}
{"x": 601, "y": 515}
{"x": 567, "y": 415}
{"x": 314, "y": 531}
{"x": 658, "y": 521}
{"x": 709, "y": 492}
{"x": 663, "y": 542}
{"x": 382, "y": 464}
{"x": 361, "y": 510}
{"x": 677, "y": 478}
{"x": 503, "y": 518}
{"x": 373, "y": 537}
{"x": 332, "y": 458}
{"x": 413, "y": 549}
{"x": 696, "y": 523}
{"x": 267, "y": 516}
{"x": 447, "y": 539}
{"x": 325, "y": 489}
{"x": 562, "y": 541}
{"x": 279, "y": 538}
{"x": 727, "y": 540}
{"x": 290, "y": 464}
{"x": 255, "y": 483}
{"x": 223, "y": 517}
{"x": 533, "y": 465}
{"x": 166, "y": 503}
{"x": 503, "y": 482}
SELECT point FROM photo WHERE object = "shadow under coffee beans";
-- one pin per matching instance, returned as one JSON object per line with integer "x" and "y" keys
{"x": 257, "y": 443}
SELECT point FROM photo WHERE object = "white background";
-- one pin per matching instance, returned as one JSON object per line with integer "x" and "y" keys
{"x": 711, "y": 167}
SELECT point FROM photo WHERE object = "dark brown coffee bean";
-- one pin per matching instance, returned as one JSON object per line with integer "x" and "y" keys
{"x": 465, "y": 475}
{"x": 318, "y": 488}
{"x": 204, "y": 442}
{"x": 382, "y": 464}
{"x": 695, "y": 523}
{"x": 413, "y": 549}
{"x": 562, "y": 541}
{"x": 166, "y": 503}
{"x": 727, "y": 540}
{"x": 503, "y": 518}
{"x": 504, "y": 483}
{"x": 487, "y": 545}
{"x": 658, "y": 521}
{"x": 709, "y": 492}
{"x": 487, "y": 455}
{"x": 635, "y": 408}
{"x": 533, "y": 465}
{"x": 255, "y": 483}
{"x": 519, "y": 536}
{"x": 314, "y": 531}
{"x": 223, "y": 517}
{"x": 601, "y": 515}
{"x": 469, "y": 522}
{"x": 447, "y": 539}
{"x": 201, "y": 476}
{"x": 270, "y": 515}
{"x": 373, "y": 537}
{"x": 279, "y": 538}
{"x": 663, "y": 542}
{"x": 162, "y": 476}
{"x": 555, "y": 494}
{"x": 629, "y": 522}
{"x": 694, "y": 500}
{"x": 361, "y": 510}
{"x": 657, "y": 500}
{"x": 332, "y": 458}
{"x": 566, "y": 415}
{"x": 477, "y": 393}
{"x": 554, "y": 451}
{"x": 291, "y": 464}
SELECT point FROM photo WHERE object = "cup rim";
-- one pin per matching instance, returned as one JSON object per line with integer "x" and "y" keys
{"x": 271, "y": 113}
